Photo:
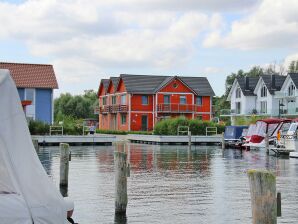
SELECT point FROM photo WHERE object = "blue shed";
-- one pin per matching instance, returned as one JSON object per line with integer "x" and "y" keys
{"x": 36, "y": 84}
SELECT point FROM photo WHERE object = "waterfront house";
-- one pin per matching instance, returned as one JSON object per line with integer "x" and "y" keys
{"x": 242, "y": 97}
{"x": 256, "y": 95}
{"x": 35, "y": 84}
{"x": 288, "y": 96}
{"x": 137, "y": 102}
{"x": 266, "y": 102}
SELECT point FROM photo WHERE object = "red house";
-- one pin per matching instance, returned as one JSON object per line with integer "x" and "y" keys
{"x": 137, "y": 102}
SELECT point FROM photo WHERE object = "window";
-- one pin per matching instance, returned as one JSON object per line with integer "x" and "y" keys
{"x": 166, "y": 99}
{"x": 264, "y": 107}
{"x": 238, "y": 108}
{"x": 123, "y": 118}
{"x": 264, "y": 91}
{"x": 238, "y": 92}
{"x": 113, "y": 99}
{"x": 199, "y": 101}
{"x": 144, "y": 100}
{"x": 30, "y": 95}
{"x": 104, "y": 100}
{"x": 123, "y": 99}
{"x": 291, "y": 90}
{"x": 175, "y": 85}
{"x": 182, "y": 99}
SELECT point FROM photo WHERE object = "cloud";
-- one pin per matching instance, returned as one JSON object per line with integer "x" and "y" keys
{"x": 272, "y": 25}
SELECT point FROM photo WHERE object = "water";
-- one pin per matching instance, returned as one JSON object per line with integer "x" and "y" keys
{"x": 169, "y": 184}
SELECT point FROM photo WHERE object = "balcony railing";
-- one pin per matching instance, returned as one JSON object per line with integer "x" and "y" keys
{"x": 113, "y": 109}
{"x": 177, "y": 108}
{"x": 104, "y": 109}
{"x": 281, "y": 95}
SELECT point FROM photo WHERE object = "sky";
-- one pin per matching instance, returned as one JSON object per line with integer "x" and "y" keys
{"x": 86, "y": 41}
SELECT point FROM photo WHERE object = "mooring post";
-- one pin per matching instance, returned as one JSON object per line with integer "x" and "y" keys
{"x": 263, "y": 196}
{"x": 35, "y": 143}
{"x": 223, "y": 144}
{"x": 278, "y": 202}
{"x": 121, "y": 171}
{"x": 189, "y": 139}
{"x": 267, "y": 143}
{"x": 64, "y": 164}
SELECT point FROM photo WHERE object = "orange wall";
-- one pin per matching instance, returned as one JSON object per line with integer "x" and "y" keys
{"x": 205, "y": 105}
{"x": 136, "y": 121}
{"x": 121, "y": 87}
{"x": 180, "y": 87}
{"x": 174, "y": 98}
{"x": 122, "y": 127}
{"x": 136, "y": 103}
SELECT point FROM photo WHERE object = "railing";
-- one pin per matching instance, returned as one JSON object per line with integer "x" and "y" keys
{"x": 104, "y": 109}
{"x": 56, "y": 129}
{"x": 279, "y": 94}
{"x": 177, "y": 108}
{"x": 211, "y": 131}
{"x": 113, "y": 108}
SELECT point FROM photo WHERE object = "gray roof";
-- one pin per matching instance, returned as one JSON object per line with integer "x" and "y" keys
{"x": 149, "y": 84}
{"x": 105, "y": 83}
{"x": 252, "y": 84}
{"x": 115, "y": 81}
{"x": 200, "y": 85}
{"x": 294, "y": 77}
{"x": 279, "y": 80}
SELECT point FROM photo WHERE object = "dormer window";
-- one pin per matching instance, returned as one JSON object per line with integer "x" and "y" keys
{"x": 238, "y": 92}
{"x": 291, "y": 90}
{"x": 264, "y": 91}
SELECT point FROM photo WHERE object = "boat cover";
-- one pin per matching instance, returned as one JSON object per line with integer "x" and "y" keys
{"x": 26, "y": 191}
{"x": 233, "y": 133}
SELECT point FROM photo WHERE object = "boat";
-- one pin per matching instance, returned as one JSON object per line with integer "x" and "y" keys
{"x": 293, "y": 154}
{"x": 27, "y": 194}
{"x": 267, "y": 127}
{"x": 233, "y": 134}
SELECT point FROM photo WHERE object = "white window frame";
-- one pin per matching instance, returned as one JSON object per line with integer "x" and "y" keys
{"x": 263, "y": 107}
{"x": 264, "y": 91}
{"x": 238, "y": 110}
{"x": 238, "y": 93}
{"x": 123, "y": 99}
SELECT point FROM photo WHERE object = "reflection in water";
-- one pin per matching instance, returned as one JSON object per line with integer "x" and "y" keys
{"x": 120, "y": 219}
{"x": 64, "y": 191}
{"x": 171, "y": 184}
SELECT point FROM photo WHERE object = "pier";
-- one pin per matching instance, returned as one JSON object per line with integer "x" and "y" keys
{"x": 55, "y": 140}
{"x": 175, "y": 140}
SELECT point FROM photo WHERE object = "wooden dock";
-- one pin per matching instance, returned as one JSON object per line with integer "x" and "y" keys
{"x": 54, "y": 140}
{"x": 175, "y": 140}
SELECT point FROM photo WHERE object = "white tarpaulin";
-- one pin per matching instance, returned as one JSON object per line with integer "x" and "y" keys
{"x": 27, "y": 194}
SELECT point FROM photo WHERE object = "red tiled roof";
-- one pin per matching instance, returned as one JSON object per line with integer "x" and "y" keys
{"x": 31, "y": 75}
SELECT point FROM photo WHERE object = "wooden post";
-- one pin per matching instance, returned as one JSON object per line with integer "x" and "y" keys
{"x": 263, "y": 196}
{"x": 120, "y": 182}
{"x": 278, "y": 202}
{"x": 267, "y": 143}
{"x": 35, "y": 143}
{"x": 64, "y": 164}
{"x": 223, "y": 144}
{"x": 189, "y": 139}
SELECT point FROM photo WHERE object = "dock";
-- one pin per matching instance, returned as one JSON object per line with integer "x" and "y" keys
{"x": 282, "y": 151}
{"x": 174, "y": 140}
{"x": 54, "y": 140}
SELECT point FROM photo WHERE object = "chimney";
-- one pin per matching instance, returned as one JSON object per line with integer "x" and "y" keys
{"x": 246, "y": 83}
{"x": 273, "y": 86}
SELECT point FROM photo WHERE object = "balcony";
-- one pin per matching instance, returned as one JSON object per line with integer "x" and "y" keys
{"x": 104, "y": 109}
{"x": 282, "y": 95}
{"x": 122, "y": 108}
{"x": 177, "y": 108}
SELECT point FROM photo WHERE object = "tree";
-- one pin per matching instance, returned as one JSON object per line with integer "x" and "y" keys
{"x": 78, "y": 106}
{"x": 293, "y": 67}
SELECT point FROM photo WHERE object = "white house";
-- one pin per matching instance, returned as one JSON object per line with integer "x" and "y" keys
{"x": 266, "y": 102}
{"x": 242, "y": 97}
{"x": 288, "y": 95}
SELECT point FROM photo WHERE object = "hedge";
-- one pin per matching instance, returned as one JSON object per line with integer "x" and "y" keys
{"x": 116, "y": 132}
{"x": 197, "y": 127}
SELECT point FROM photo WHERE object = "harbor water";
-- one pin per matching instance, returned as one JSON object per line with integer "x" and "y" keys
{"x": 171, "y": 184}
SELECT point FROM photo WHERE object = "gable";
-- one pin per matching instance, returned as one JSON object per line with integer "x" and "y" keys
{"x": 175, "y": 85}
{"x": 101, "y": 90}
{"x": 121, "y": 86}
{"x": 286, "y": 83}
{"x": 259, "y": 85}
{"x": 110, "y": 88}
{"x": 234, "y": 87}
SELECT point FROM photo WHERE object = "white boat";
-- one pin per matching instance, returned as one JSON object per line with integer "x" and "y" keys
{"x": 27, "y": 194}
{"x": 293, "y": 154}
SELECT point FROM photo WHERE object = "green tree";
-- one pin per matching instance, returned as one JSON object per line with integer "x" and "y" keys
{"x": 293, "y": 67}
{"x": 78, "y": 106}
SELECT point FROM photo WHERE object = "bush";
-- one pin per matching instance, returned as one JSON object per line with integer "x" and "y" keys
{"x": 116, "y": 132}
{"x": 38, "y": 127}
{"x": 197, "y": 127}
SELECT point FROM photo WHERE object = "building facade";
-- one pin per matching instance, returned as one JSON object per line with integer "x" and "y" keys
{"x": 267, "y": 95}
{"x": 35, "y": 84}
{"x": 138, "y": 102}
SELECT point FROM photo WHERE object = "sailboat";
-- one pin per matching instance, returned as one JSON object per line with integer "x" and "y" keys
{"x": 27, "y": 194}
